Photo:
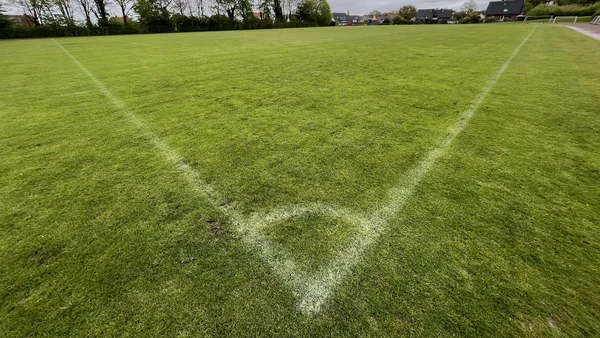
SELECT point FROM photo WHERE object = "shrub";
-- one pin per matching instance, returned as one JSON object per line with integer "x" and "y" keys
{"x": 401, "y": 21}
{"x": 473, "y": 18}
{"x": 490, "y": 19}
{"x": 425, "y": 21}
{"x": 460, "y": 15}
{"x": 386, "y": 22}
{"x": 333, "y": 23}
{"x": 568, "y": 10}
{"x": 540, "y": 10}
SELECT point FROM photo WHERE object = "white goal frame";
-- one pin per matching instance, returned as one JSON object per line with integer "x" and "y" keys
{"x": 553, "y": 21}
{"x": 596, "y": 20}
{"x": 541, "y": 19}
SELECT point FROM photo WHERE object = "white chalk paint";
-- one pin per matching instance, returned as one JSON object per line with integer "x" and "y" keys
{"x": 311, "y": 290}
{"x": 77, "y": 93}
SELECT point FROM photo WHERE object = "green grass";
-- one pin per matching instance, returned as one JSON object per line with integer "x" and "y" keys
{"x": 103, "y": 236}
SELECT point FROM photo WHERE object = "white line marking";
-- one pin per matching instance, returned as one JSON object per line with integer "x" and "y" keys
{"x": 77, "y": 93}
{"x": 312, "y": 290}
{"x": 328, "y": 278}
{"x": 279, "y": 261}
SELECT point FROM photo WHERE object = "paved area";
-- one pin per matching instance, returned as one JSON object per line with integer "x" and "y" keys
{"x": 587, "y": 29}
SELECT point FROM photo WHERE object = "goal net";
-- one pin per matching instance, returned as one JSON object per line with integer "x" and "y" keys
{"x": 564, "y": 19}
{"x": 538, "y": 19}
{"x": 596, "y": 20}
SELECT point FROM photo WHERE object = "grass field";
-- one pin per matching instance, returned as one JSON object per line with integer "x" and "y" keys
{"x": 354, "y": 181}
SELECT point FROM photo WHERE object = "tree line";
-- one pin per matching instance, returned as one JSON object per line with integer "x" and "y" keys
{"x": 60, "y": 17}
{"x": 101, "y": 17}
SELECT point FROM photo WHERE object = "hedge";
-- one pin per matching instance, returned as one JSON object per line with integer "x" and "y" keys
{"x": 566, "y": 10}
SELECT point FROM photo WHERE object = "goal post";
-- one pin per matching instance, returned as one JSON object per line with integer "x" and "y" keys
{"x": 538, "y": 19}
{"x": 550, "y": 19}
{"x": 565, "y": 19}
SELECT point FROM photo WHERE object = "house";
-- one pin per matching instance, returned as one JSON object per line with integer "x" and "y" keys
{"x": 340, "y": 18}
{"x": 21, "y": 20}
{"x": 504, "y": 9}
{"x": 390, "y": 17}
{"x": 374, "y": 21}
{"x": 354, "y": 19}
{"x": 434, "y": 14}
{"x": 345, "y": 19}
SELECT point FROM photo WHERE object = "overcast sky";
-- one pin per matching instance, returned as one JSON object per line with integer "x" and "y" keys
{"x": 364, "y": 7}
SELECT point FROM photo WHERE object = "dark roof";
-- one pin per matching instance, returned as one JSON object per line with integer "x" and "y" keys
{"x": 387, "y": 16}
{"x": 21, "y": 19}
{"x": 434, "y": 13}
{"x": 511, "y": 7}
{"x": 340, "y": 16}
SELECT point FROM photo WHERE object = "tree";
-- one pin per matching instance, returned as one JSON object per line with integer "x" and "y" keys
{"x": 307, "y": 10}
{"x": 4, "y": 22}
{"x": 469, "y": 6}
{"x": 316, "y": 11}
{"x": 100, "y": 12}
{"x": 179, "y": 6}
{"x": 199, "y": 6}
{"x": 278, "y": 10}
{"x": 154, "y": 15}
{"x": 125, "y": 6}
{"x": 407, "y": 12}
{"x": 266, "y": 8}
{"x": 290, "y": 6}
{"x": 460, "y": 15}
{"x": 66, "y": 10}
{"x": 245, "y": 9}
{"x": 229, "y": 6}
{"x": 33, "y": 8}
{"x": 324, "y": 15}
{"x": 85, "y": 6}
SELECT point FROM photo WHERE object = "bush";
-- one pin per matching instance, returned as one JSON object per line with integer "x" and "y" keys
{"x": 425, "y": 21}
{"x": 460, "y": 15}
{"x": 154, "y": 23}
{"x": 490, "y": 19}
{"x": 566, "y": 10}
{"x": 401, "y": 21}
{"x": 386, "y": 22}
{"x": 473, "y": 18}
{"x": 333, "y": 23}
